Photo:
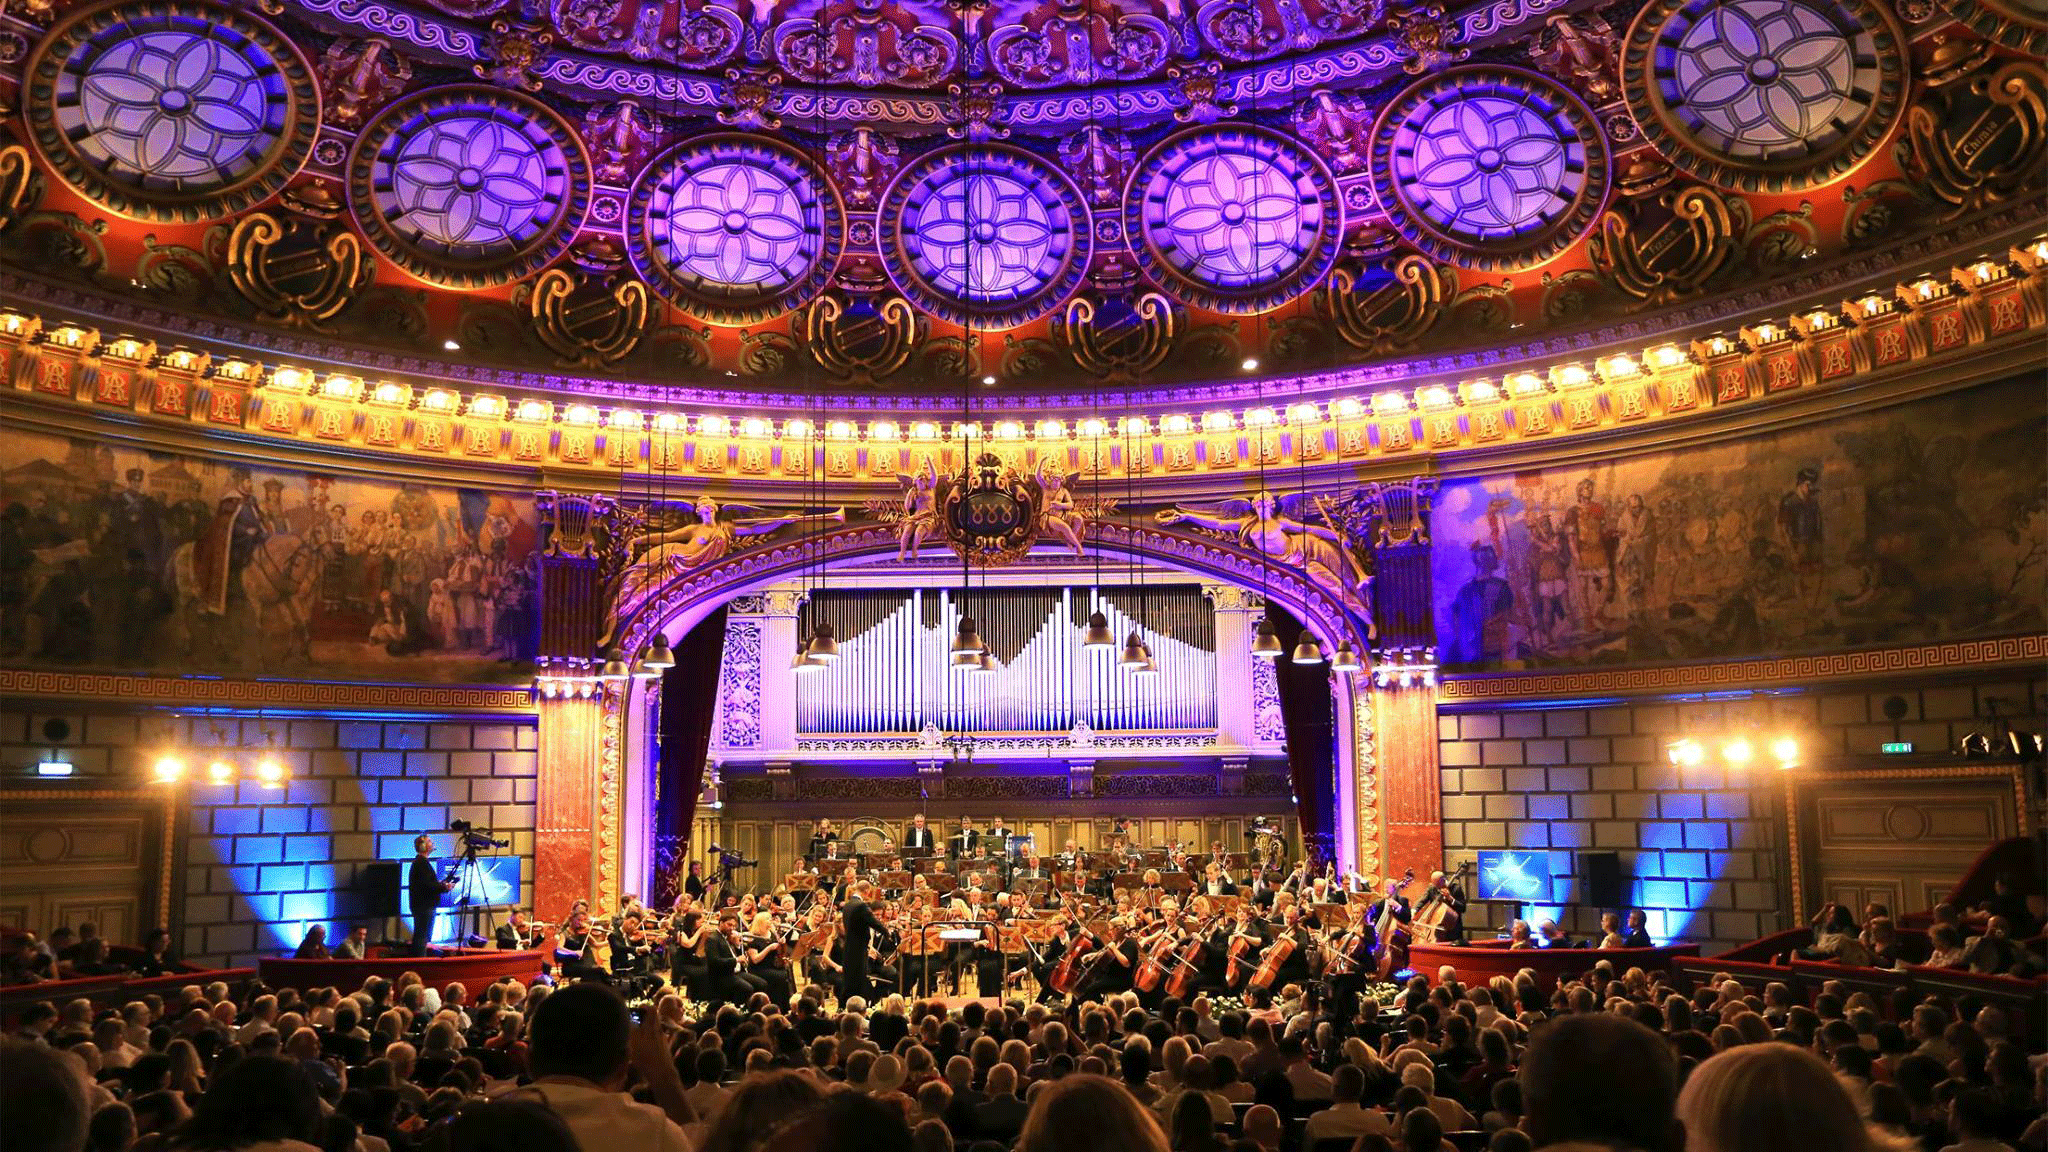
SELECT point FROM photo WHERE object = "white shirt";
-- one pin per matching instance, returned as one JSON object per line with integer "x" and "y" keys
{"x": 1235, "y": 1048}
{"x": 1346, "y": 1119}
{"x": 605, "y": 1120}
{"x": 707, "y": 1099}
{"x": 1309, "y": 1084}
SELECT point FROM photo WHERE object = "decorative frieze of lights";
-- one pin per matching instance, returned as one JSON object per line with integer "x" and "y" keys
{"x": 1991, "y": 298}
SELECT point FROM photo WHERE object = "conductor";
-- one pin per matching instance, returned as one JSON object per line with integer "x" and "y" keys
{"x": 423, "y": 888}
{"x": 861, "y": 927}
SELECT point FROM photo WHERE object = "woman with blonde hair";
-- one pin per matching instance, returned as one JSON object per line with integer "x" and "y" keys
{"x": 1775, "y": 1098}
{"x": 1088, "y": 1114}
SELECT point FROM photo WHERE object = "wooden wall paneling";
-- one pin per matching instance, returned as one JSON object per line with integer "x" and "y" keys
{"x": 1898, "y": 837}
{"x": 69, "y": 862}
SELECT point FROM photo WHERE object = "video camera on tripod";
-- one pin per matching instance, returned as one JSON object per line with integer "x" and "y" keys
{"x": 475, "y": 839}
{"x": 729, "y": 861}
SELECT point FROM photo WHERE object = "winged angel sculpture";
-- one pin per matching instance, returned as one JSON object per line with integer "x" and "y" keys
{"x": 1259, "y": 523}
{"x": 656, "y": 557}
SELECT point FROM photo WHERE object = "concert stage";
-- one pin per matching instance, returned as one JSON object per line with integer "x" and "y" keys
{"x": 473, "y": 968}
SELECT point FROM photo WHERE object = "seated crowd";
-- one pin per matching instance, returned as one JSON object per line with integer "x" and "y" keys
{"x": 1990, "y": 939}
{"x": 1604, "y": 1061}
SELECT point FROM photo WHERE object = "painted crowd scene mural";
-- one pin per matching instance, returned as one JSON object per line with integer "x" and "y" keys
{"x": 1922, "y": 523}
{"x": 118, "y": 558}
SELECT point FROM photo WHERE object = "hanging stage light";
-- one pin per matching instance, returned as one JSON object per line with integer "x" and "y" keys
{"x": 614, "y": 666}
{"x": 1346, "y": 658}
{"x": 657, "y": 655}
{"x": 1308, "y": 651}
{"x": 824, "y": 647}
{"x": 1099, "y": 636}
{"x": 967, "y": 645}
{"x": 802, "y": 664}
{"x": 1134, "y": 652}
{"x": 985, "y": 666}
{"x": 1150, "y": 668}
{"x": 1266, "y": 643}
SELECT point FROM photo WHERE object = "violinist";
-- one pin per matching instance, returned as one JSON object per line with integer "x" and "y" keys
{"x": 578, "y": 940}
{"x": 766, "y": 948}
{"x": 628, "y": 942}
{"x": 686, "y": 965}
{"x": 988, "y": 947}
{"x": 726, "y": 979}
{"x": 518, "y": 933}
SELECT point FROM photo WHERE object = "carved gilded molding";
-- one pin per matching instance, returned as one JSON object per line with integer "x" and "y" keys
{"x": 1995, "y": 301}
{"x": 179, "y": 690}
{"x": 1726, "y": 675}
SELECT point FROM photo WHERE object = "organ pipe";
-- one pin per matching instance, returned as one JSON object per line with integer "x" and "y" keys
{"x": 894, "y": 674}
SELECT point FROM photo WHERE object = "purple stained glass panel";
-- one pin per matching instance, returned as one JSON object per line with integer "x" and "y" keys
{"x": 471, "y": 182}
{"x": 186, "y": 106}
{"x": 1761, "y": 79}
{"x": 1233, "y": 218}
{"x": 1489, "y": 167}
{"x": 994, "y": 234}
{"x": 735, "y": 227}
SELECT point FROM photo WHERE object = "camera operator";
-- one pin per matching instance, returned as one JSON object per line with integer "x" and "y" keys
{"x": 423, "y": 888}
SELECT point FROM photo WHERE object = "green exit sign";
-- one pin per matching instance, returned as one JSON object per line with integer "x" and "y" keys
{"x": 1895, "y": 747}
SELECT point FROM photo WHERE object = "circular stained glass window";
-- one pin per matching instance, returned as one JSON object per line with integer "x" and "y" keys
{"x": 735, "y": 228}
{"x": 1489, "y": 167}
{"x": 1765, "y": 94}
{"x": 1235, "y": 219}
{"x": 984, "y": 235}
{"x": 179, "y": 111}
{"x": 469, "y": 186}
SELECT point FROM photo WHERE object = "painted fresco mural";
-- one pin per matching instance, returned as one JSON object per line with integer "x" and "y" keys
{"x": 1919, "y": 523}
{"x": 117, "y": 558}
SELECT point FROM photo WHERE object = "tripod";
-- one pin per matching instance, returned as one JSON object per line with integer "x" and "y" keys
{"x": 474, "y": 919}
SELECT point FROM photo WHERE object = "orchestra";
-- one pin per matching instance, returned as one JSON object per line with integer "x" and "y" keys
{"x": 945, "y": 913}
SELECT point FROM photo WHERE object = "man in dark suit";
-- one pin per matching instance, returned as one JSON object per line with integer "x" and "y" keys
{"x": 423, "y": 888}
{"x": 917, "y": 835}
{"x": 1001, "y": 1116}
{"x": 517, "y": 933}
{"x": 965, "y": 841}
{"x": 861, "y": 929}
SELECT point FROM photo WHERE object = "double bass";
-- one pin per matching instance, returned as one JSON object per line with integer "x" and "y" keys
{"x": 1434, "y": 916}
{"x": 1390, "y": 934}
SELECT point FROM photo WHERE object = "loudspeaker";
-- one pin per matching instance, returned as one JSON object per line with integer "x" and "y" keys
{"x": 1600, "y": 880}
{"x": 374, "y": 894}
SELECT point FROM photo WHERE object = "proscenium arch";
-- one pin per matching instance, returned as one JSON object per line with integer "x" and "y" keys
{"x": 682, "y": 602}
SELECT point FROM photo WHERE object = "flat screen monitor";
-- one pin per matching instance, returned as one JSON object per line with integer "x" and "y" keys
{"x": 1514, "y": 876}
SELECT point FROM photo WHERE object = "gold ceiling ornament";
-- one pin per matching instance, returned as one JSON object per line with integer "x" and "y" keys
{"x": 2013, "y": 23}
{"x": 297, "y": 271}
{"x": 585, "y": 321}
{"x": 862, "y": 344}
{"x": 1978, "y": 137}
{"x": 19, "y": 186}
{"x": 1117, "y": 339}
{"x": 1661, "y": 249}
{"x": 1383, "y": 308}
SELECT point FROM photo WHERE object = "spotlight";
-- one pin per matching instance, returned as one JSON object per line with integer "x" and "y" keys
{"x": 53, "y": 768}
{"x": 451, "y": 346}
{"x": 614, "y": 667}
{"x": 220, "y": 772}
{"x": 1134, "y": 652}
{"x": 1687, "y": 753}
{"x": 168, "y": 770}
{"x": 989, "y": 381}
{"x": 1346, "y": 658}
{"x": 1785, "y": 750}
{"x": 1098, "y": 636}
{"x": 1308, "y": 651}
{"x": 1251, "y": 363}
{"x": 1265, "y": 644}
{"x": 824, "y": 647}
{"x": 1738, "y": 751}
{"x": 270, "y": 773}
{"x": 658, "y": 655}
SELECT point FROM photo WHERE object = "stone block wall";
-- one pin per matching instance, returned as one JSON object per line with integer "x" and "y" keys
{"x": 260, "y": 864}
{"x": 1702, "y": 848}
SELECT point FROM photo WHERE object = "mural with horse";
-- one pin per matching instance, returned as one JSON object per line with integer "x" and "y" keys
{"x": 117, "y": 558}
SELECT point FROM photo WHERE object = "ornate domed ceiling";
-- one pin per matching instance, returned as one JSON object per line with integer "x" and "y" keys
{"x": 1061, "y": 194}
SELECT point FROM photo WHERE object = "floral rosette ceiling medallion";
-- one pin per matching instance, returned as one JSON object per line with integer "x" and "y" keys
{"x": 755, "y": 200}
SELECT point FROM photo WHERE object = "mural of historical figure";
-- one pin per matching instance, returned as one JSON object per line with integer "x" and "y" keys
{"x": 120, "y": 559}
{"x": 1920, "y": 523}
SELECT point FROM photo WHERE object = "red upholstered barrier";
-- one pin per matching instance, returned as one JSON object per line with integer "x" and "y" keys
{"x": 1482, "y": 960}
{"x": 471, "y": 967}
{"x": 114, "y": 991}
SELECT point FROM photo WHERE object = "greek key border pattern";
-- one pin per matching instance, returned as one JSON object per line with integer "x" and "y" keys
{"x": 259, "y": 693}
{"x": 1743, "y": 673}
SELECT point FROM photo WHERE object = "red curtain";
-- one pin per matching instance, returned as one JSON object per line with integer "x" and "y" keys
{"x": 689, "y": 701}
{"x": 1307, "y": 715}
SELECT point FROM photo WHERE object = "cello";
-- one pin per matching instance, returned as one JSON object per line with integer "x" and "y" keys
{"x": 1242, "y": 945}
{"x": 1276, "y": 956}
{"x": 1152, "y": 970}
{"x": 1390, "y": 936}
{"x": 1066, "y": 975}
